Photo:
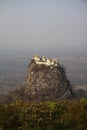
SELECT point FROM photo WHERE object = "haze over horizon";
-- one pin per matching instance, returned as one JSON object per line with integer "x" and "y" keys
{"x": 52, "y": 25}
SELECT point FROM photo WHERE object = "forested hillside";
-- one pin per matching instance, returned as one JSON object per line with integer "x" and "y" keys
{"x": 64, "y": 115}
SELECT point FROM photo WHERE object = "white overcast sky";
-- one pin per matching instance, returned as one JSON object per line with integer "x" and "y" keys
{"x": 43, "y": 24}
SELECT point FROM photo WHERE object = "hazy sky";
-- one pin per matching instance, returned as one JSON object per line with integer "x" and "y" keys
{"x": 43, "y": 24}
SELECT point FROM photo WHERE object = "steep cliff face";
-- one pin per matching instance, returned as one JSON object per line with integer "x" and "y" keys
{"x": 46, "y": 81}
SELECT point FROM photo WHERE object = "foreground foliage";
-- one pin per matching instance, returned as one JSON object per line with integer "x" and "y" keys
{"x": 64, "y": 115}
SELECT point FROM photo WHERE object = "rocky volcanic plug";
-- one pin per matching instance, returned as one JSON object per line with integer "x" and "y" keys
{"x": 46, "y": 80}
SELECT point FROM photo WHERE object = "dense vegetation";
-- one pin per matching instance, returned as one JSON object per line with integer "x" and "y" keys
{"x": 63, "y": 115}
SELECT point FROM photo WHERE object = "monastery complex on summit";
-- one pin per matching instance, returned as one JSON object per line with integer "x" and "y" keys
{"x": 45, "y": 61}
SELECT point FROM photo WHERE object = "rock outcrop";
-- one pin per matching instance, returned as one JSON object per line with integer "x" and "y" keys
{"x": 46, "y": 80}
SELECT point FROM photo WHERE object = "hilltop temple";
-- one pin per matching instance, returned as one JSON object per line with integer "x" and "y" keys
{"x": 45, "y": 61}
